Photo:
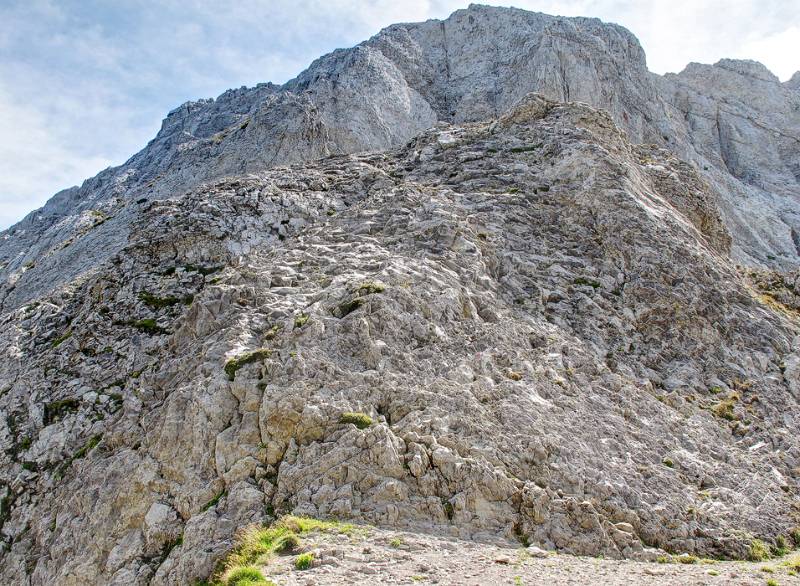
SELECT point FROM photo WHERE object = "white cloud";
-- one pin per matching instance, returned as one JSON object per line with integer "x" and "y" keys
{"x": 35, "y": 161}
{"x": 779, "y": 51}
{"x": 85, "y": 83}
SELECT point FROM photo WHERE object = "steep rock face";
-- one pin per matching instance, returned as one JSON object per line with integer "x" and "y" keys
{"x": 540, "y": 319}
{"x": 733, "y": 120}
{"x": 744, "y": 128}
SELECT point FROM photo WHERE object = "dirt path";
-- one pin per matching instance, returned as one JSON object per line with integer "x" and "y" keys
{"x": 377, "y": 556}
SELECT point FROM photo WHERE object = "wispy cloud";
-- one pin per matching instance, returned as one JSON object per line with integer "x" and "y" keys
{"x": 85, "y": 83}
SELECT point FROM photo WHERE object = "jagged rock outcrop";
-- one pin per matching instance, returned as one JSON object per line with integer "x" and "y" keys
{"x": 735, "y": 121}
{"x": 544, "y": 320}
{"x": 540, "y": 319}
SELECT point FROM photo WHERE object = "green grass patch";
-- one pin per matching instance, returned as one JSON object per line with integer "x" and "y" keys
{"x": 246, "y": 576}
{"x": 155, "y": 302}
{"x": 587, "y": 282}
{"x": 148, "y": 326}
{"x": 235, "y": 364}
{"x": 781, "y": 547}
{"x": 348, "y": 307}
{"x": 360, "y": 420}
{"x": 258, "y": 544}
{"x": 304, "y": 561}
{"x": 62, "y": 338}
{"x": 792, "y": 563}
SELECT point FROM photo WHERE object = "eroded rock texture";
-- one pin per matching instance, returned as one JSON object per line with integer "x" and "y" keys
{"x": 545, "y": 319}
{"x": 540, "y": 318}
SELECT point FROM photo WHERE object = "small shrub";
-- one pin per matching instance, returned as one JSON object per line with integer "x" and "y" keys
{"x": 663, "y": 559}
{"x": 205, "y": 271}
{"x": 767, "y": 569}
{"x": 396, "y": 542}
{"x": 449, "y": 510}
{"x": 360, "y": 420}
{"x": 235, "y": 364}
{"x": 772, "y": 582}
{"x": 304, "y": 561}
{"x": 780, "y": 548}
{"x": 758, "y": 551}
{"x": 712, "y": 573}
{"x": 724, "y": 408}
{"x": 300, "y": 320}
{"x": 687, "y": 559}
{"x": 795, "y": 535}
{"x": 668, "y": 463}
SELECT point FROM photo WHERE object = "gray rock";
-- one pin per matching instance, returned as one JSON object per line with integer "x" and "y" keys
{"x": 511, "y": 321}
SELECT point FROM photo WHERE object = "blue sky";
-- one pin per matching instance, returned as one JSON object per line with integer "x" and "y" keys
{"x": 84, "y": 84}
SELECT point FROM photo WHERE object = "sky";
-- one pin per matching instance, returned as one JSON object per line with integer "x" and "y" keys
{"x": 84, "y": 84}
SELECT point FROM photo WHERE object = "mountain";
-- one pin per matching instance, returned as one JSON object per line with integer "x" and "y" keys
{"x": 404, "y": 289}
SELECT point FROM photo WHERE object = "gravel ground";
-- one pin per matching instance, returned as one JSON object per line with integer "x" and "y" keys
{"x": 377, "y": 556}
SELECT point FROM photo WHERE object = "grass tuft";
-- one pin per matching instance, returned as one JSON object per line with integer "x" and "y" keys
{"x": 235, "y": 364}
{"x": 360, "y": 420}
{"x": 759, "y": 551}
{"x": 304, "y": 561}
{"x": 724, "y": 408}
{"x": 258, "y": 544}
{"x": 246, "y": 576}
